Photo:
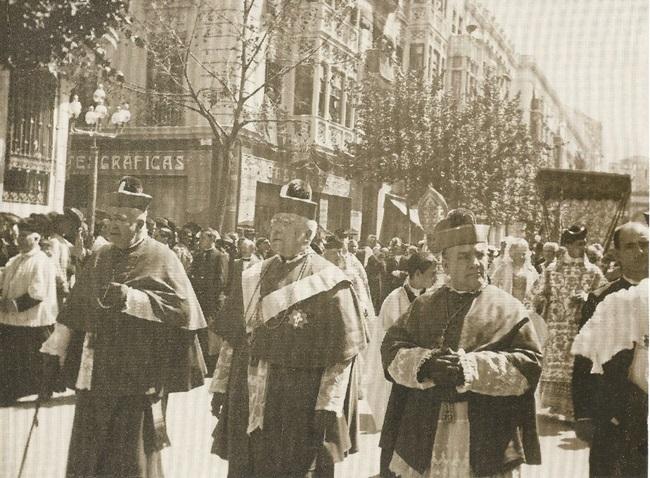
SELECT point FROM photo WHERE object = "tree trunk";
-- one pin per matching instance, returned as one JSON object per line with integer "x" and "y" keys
{"x": 224, "y": 180}
{"x": 232, "y": 198}
{"x": 218, "y": 192}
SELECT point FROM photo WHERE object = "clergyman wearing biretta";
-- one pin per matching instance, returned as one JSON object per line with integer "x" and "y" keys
{"x": 286, "y": 375}
{"x": 468, "y": 360}
{"x": 127, "y": 338}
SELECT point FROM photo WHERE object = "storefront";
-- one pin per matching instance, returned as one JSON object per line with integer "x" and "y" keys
{"x": 261, "y": 179}
{"x": 175, "y": 173}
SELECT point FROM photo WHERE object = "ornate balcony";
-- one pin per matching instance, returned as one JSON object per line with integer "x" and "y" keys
{"x": 332, "y": 135}
{"x": 321, "y": 18}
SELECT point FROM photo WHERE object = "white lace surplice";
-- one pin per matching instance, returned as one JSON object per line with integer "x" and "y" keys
{"x": 486, "y": 372}
{"x": 450, "y": 457}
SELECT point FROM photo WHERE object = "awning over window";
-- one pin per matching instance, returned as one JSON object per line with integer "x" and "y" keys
{"x": 400, "y": 204}
{"x": 396, "y": 222}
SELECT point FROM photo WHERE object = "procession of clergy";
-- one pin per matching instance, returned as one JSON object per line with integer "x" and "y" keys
{"x": 452, "y": 369}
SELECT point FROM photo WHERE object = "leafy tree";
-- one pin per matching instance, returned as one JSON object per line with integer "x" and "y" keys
{"x": 54, "y": 33}
{"x": 477, "y": 152}
{"x": 236, "y": 86}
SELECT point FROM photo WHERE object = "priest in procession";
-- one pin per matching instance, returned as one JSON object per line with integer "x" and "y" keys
{"x": 285, "y": 387}
{"x": 126, "y": 338}
{"x": 467, "y": 359}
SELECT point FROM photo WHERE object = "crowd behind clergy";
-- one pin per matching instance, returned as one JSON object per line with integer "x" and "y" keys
{"x": 62, "y": 244}
{"x": 211, "y": 259}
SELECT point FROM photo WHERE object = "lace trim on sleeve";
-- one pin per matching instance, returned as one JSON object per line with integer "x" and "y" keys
{"x": 257, "y": 381}
{"x": 334, "y": 387}
{"x": 138, "y": 305}
{"x": 491, "y": 373}
{"x": 406, "y": 364}
{"x": 221, "y": 374}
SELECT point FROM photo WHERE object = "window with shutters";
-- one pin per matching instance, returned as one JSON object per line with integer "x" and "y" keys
{"x": 416, "y": 56}
{"x": 30, "y": 128}
{"x": 303, "y": 90}
{"x": 350, "y": 104}
{"x": 335, "y": 106}
{"x": 322, "y": 90}
{"x": 273, "y": 82}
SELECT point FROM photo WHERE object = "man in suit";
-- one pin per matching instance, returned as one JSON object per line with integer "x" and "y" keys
{"x": 396, "y": 265}
{"x": 606, "y": 406}
{"x": 209, "y": 276}
{"x": 369, "y": 249}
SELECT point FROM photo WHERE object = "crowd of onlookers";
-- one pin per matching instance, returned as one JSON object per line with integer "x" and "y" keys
{"x": 53, "y": 248}
{"x": 212, "y": 259}
{"x": 386, "y": 265}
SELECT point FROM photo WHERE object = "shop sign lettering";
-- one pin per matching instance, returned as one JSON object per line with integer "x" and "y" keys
{"x": 130, "y": 163}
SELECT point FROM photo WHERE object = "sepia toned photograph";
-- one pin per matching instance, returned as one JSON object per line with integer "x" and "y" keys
{"x": 324, "y": 238}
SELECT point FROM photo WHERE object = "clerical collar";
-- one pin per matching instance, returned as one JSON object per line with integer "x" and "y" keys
{"x": 132, "y": 247}
{"x": 408, "y": 286}
{"x": 469, "y": 292}
{"x": 296, "y": 258}
{"x": 631, "y": 281}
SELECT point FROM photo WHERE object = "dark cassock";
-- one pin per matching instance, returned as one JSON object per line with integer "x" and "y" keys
{"x": 128, "y": 338}
{"x": 377, "y": 277}
{"x": 606, "y": 392}
{"x": 466, "y": 364}
{"x": 292, "y": 330}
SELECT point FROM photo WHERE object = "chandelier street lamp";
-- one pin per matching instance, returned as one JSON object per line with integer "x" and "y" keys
{"x": 94, "y": 119}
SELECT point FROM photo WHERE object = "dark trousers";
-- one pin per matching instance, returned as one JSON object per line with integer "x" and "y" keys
{"x": 384, "y": 463}
{"x": 621, "y": 451}
{"x": 21, "y": 363}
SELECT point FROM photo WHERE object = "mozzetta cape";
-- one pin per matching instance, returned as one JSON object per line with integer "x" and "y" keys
{"x": 321, "y": 326}
{"x": 303, "y": 320}
{"x": 503, "y": 432}
{"x": 132, "y": 355}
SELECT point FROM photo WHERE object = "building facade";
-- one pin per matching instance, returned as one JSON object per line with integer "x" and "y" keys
{"x": 33, "y": 142}
{"x": 309, "y": 108}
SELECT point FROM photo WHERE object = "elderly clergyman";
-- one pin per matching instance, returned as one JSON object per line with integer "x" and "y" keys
{"x": 468, "y": 360}
{"x": 127, "y": 336}
{"x": 286, "y": 373}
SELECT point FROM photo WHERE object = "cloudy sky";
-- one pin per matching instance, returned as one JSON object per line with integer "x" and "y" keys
{"x": 595, "y": 54}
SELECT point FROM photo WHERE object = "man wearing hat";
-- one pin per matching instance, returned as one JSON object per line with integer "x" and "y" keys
{"x": 467, "y": 359}
{"x": 65, "y": 246}
{"x": 558, "y": 297}
{"x": 286, "y": 374}
{"x": 28, "y": 309}
{"x": 127, "y": 337}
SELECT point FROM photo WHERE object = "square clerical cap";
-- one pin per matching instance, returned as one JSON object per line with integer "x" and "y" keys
{"x": 458, "y": 229}
{"x": 296, "y": 198}
{"x": 130, "y": 194}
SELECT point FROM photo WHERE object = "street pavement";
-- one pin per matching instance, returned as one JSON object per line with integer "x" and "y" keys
{"x": 190, "y": 427}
